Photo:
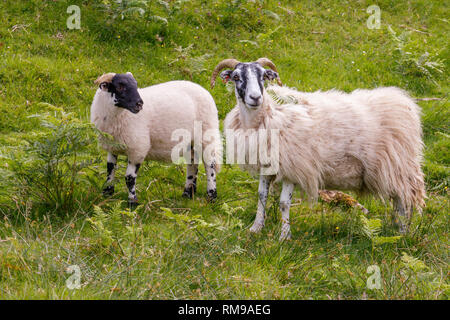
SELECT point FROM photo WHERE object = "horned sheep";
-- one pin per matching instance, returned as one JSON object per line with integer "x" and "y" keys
{"x": 142, "y": 123}
{"x": 367, "y": 140}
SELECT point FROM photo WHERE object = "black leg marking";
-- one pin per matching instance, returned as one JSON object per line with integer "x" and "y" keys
{"x": 130, "y": 179}
{"x": 108, "y": 191}
{"x": 110, "y": 167}
{"x": 131, "y": 183}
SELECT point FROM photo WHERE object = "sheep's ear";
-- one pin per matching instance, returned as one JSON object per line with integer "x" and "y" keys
{"x": 225, "y": 75}
{"x": 104, "y": 81}
{"x": 270, "y": 74}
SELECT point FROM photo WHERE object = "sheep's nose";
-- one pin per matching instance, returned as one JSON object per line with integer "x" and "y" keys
{"x": 255, "y": 97}
{"x": 139, "y": 104}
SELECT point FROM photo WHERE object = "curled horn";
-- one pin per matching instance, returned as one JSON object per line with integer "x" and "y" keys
{"x": 227, "y": 63}
{"x": 264, "y": 62}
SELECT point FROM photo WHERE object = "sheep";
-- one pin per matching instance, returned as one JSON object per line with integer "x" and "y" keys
{"x": 367, "y": 140}
{"x": 143, "y": 122}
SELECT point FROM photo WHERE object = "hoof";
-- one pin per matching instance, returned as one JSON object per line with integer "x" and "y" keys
{"x": 403, "y": 229}
{"x": 285, "y": 236}
{"x": 212, "y": 195}
{"x": 188, "y": 193}
{"x": 285, "y": 232}
{"x": 256, "y": 228}
{"x": 108, "y": 191}
{"x": 133, "y": 203}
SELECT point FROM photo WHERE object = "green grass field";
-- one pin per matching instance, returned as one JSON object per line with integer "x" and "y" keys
{"x": 52, "y": 213}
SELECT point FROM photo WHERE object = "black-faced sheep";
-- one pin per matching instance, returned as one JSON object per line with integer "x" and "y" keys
{"x": 143, "y": 123}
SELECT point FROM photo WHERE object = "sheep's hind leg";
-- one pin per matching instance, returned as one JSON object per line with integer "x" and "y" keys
{"x": 285, "y": 204}
{"x": 111, "y": 162}
{"x": 402, "y": 216}
{"x": 263, "y": 192}
{"x": 211, "y": 187}
{"x": 130, "y": 179}
{"x": 190, "y": 188}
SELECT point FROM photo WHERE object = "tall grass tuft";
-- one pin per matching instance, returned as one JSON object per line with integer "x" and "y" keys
{"x": 51, "y": 168}
{"x": 412, "y": 62}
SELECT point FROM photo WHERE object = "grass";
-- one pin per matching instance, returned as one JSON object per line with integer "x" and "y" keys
{"x": 172, "y": 248}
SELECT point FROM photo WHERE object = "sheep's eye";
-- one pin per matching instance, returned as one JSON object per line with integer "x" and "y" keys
{"x": 120, "y": 88}
{"x": 236, "y": 78}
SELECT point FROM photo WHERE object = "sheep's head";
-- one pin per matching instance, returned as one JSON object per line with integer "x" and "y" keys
{"x": 248, "y": 78}
{"x": 123, "y": 89}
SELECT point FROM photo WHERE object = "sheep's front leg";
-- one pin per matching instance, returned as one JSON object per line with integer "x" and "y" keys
{"x": 263, "y": 192}
{"x": 130, "y": 179}
{"x": 111, "y": 162}
{"x": 285, "y": 204}
{"x": 191, "y": 181}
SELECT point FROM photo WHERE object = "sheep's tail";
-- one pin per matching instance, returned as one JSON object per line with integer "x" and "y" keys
{"x": 397, "y": 170}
